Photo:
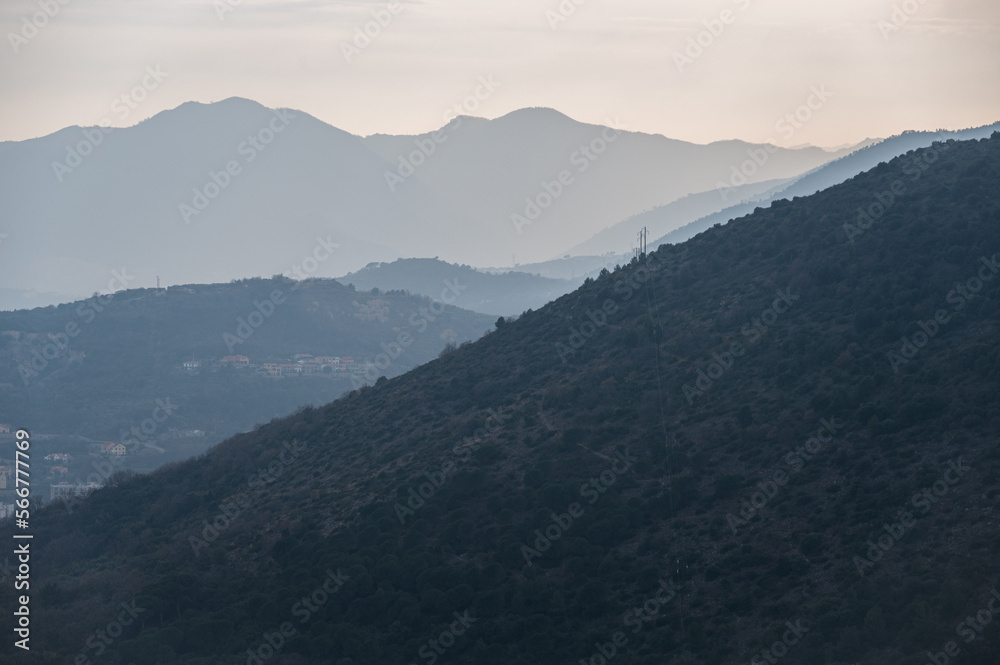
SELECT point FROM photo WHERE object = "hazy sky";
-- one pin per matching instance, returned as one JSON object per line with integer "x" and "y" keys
{"x": 935, "y": 64}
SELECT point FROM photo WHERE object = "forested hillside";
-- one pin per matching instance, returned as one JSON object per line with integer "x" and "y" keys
{"x": 775, "y": 442}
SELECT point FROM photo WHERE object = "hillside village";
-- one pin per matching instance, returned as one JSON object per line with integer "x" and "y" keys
{"x": 298, "y": 365}
{"x": 61, "y": 474}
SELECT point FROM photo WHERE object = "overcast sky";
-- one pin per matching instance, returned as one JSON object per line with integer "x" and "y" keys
{"x": 934, "y": 65}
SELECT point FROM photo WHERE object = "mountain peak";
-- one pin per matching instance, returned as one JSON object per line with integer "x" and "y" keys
{"x": 535, "y": 114}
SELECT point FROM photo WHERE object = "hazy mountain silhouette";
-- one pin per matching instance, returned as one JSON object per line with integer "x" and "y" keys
{"x": 831, "y": 174}
{"x": 500, "y": 294}
{"x": 158, "y": 199}
{"x": 662, "y": 219}
{"x": 776, "y": 438}
{"x": 97, "y": 367}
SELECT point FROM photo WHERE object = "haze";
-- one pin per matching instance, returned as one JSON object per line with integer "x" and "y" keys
{"x": 606, "y": 60}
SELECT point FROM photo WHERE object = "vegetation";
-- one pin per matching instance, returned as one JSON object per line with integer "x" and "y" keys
{"x": 97, "y": 367}
{"x": 556, "y": 478}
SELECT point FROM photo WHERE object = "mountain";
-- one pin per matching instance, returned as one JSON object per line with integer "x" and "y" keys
{"x": 495, "y": 294}
{"x": 494, "y": 170}
{"x": 775, "y": 441}
{"x": 568, "y": 267}
{"x": 205, "y": 193}
{"x": 92, "y": 370}
{"x": 835, "y": 172}
{"x": 662, "y": 219}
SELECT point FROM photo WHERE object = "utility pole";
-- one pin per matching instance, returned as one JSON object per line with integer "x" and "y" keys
{"x": 643, "y": 235}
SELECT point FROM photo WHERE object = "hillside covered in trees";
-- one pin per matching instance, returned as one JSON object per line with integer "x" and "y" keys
{"x": 775, "y": 442}
{"x": 97, "y": 366}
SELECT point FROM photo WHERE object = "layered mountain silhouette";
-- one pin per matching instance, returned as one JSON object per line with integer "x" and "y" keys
{"x": 775, "y": 441}
{"x": 821, "y": 178}
{"x": 211, "y": 192}
{"x": 97, "y": 367}
{"x": 500, "y": 294}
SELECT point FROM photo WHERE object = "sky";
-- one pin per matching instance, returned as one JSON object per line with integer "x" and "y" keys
{"x": 789, "y": 72}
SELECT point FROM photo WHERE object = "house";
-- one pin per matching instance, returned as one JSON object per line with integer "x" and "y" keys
{"x": 238, "y": 361}
{"x": 325, "y": 360}
{"x": 301, "y": 357}
{"x": 272, "y": 369}
{"x": 192, "y": 365}
{"x": 287, "y": 368}
{"x": 110, "y": 448}
{"x": 311, "y": 368}
{"x": 58, "y": 457}
{"x": 58, "y": 471}
{"x": 5, "y": 477}
{"x": 67, "y": 490}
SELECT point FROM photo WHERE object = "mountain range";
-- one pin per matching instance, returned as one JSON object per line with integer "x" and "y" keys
{"x": 502, "y": 294}
{"x": 96, "y": 368}
{"x": 212, "y": 192}
{"x": 773, "y": 442}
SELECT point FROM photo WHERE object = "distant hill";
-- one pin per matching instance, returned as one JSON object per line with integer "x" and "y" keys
{"x": 663, "y": 219}
{"x": 569, "y": 267}
{"x": 501, "y": 294}
{"x": 205, "y": 193}
{"x": 831, "y": 174}
{"x": 773, "y": 442}
{"x": 97, "y": 367}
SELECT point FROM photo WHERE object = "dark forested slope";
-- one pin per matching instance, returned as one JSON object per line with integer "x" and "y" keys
{"x": 774, "y": 442}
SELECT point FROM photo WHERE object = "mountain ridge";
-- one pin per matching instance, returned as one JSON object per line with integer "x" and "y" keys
{"x": 524, "y": 514}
